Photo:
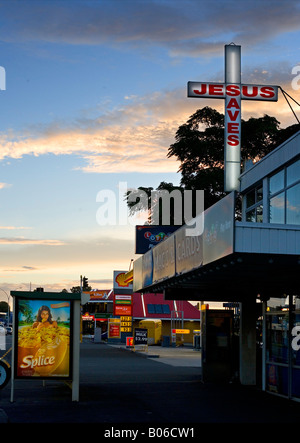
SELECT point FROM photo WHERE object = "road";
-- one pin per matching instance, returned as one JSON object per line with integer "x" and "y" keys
{"x": 119, "y": 387}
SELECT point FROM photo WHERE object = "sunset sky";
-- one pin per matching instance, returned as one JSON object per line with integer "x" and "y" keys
{"x": 95, "y": 91}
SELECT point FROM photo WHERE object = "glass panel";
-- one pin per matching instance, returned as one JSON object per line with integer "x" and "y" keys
{"x": 295, "y": 347}
{"x": 277, "y": 379}
{"x": 151, "y": 309}
{"x": 277, "y": 337}
{"x": 293, "y": 173}
{"x": 259, "y": 194}
{"x": 250, "y": 216}
{"x": 277, "y": 209}
{"x": 166, "y": 309}
{"x": 158, "y": 309}
{"x": 250, "y": 198}
{"x": 293, "y": 205}
{"x": 276, "y": 182}
{"x": 259, "y": 214}
{"x": 277, "y": 345}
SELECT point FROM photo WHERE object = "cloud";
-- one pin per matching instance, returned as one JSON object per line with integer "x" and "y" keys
{"x": 29, "y": 241}
{"x": 19, "y": 269}
{"x": 10, "y": 228}
{"x": 188, "y": 30}
{"x": 5, "y": 185}
{"x": 140, "y": 133}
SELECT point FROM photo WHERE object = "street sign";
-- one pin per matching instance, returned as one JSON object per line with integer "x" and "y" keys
{"x": 233, "y": 92}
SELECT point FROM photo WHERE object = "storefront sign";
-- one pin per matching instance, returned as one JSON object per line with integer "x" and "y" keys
{"x": 233, "y": 92}
{"x": 122, "y": 284}
{"x": 189, "y": 251}
{"x": 43, "y": 338}
{"x": 101, "y": 294}
{"x": 164, "y": 260}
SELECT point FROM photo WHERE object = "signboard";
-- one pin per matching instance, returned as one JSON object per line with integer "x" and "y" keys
{"x": 114, "y": 328}
{"x": 147, "y": 236}
{"x": 123, "y": 299}
{"x": 122, "y": 284}
{"x": 189, "y": 251}
{"x": 123, "y": 310}
{"x": 126, "y": 323}
{"x": 180, "y": 331}
{"x": 141, "y": 336}
{"x": 233, "y": 92}
{"x": 42, "y": 338}
{"x": 218, "y": 235}
{"x": 164, "y": 260}
{"x": 98, "y": 294}
{"x": 219, "y": 90}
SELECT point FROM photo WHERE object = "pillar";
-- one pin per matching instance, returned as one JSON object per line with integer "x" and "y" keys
{"x": 248, "y": 341}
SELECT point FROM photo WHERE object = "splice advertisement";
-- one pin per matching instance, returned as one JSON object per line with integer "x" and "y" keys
{"x": 43, "y": 338}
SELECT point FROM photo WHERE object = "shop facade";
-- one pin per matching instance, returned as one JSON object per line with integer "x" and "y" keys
{"x": 255, "y": 258}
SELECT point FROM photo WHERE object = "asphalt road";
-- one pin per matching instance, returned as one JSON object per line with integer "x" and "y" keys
{"x": 119, "y": 387}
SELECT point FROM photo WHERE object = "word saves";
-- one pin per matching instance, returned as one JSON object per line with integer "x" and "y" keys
{"x": 233, "y": 94}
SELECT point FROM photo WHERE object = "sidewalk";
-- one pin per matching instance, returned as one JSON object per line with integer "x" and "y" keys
{"x": 183, "y": 356}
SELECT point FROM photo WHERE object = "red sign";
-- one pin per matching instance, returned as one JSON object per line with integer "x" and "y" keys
{"x": 220, "y": 90}
{"x": 123, "y": 310}
{"x": 114, "y": 330}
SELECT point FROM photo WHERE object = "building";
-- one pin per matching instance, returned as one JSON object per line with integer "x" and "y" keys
{"x": 257, "y": 258}
{"x": 172, "y": 314}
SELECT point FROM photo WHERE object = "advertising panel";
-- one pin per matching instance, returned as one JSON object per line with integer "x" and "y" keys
{"x": 42, "y": 338}
{"x": 147, "y": 236}
{"x": 114, "y": 328}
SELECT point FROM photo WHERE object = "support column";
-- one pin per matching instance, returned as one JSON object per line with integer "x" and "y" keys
{"x": 248, "y": 341}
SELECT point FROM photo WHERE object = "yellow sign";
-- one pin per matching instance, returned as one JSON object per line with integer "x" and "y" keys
{"x": 181, "y": 331}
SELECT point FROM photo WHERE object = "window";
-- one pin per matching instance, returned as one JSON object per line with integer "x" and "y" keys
{"x": 284, "y": 195}
{"x": 254, "y": 206}
{"x": 293, "y": 205}
{"x": 158, "y": 309}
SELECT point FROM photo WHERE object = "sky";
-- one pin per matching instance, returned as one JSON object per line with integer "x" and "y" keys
{"x": 94, "y": 93}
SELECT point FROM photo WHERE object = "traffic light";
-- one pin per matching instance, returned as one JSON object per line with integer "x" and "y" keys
{"x": 85, "y": 284}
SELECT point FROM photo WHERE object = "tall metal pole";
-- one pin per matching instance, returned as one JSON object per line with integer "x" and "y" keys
{"x": 232, "y": 163}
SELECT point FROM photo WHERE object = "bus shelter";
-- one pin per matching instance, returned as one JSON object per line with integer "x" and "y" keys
{"x": 46, "y": 338}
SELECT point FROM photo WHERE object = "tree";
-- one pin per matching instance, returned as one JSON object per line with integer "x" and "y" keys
{"x": 199, "y": 147}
